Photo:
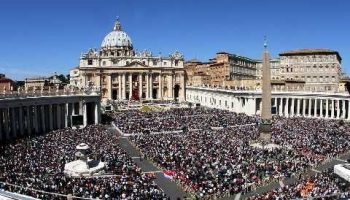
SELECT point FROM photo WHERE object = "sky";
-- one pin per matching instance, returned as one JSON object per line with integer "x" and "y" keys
{"x": 41, "y": 37}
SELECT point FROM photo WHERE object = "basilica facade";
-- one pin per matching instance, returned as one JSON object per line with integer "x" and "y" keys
{"x": 124, "y": 74}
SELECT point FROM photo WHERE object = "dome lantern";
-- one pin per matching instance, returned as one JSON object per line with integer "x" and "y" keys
{"x": 117, "y": 38}
{"x": 117, "y": 25}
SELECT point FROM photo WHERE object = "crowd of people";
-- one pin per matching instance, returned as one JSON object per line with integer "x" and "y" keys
{"x": 221, "y": 161}
{"x": 38, "y": 163}
{"x": 214, "y": 154}
{"x": 324, "y": 185}
{"x": 136, "y": 121}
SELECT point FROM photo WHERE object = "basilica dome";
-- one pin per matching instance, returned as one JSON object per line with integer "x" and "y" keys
{"x": 117, "y": 38}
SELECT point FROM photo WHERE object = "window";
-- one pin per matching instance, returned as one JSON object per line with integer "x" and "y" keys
{"x": 127, "y": 62}
{"x": 321, "y": 78}
{"x": 176, "y": 62}
{"x": 164, "y": 63}
{"x": 154, "y": 62}
{"x": 104, "y": 63}
{"x": 143, "y": 62}
{"x": 89, "y": 62}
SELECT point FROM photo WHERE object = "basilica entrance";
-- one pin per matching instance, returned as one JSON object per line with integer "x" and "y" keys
{"x": 154, "y": 93}
{"x": 114, "y": 94}
{"x": 135, "y": 95}
{"x": 176, "y": 91}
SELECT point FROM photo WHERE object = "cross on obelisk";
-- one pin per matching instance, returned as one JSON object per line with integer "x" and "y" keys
{"x": 265, "y": 125}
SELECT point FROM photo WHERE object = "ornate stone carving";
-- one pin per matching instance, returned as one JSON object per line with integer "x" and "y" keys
{"x": 177, "y": 55}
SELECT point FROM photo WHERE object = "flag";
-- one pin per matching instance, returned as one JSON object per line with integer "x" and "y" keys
{"x": 169, "y": 174}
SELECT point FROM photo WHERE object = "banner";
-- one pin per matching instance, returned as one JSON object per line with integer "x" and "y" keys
{"x": 169, "y": 174}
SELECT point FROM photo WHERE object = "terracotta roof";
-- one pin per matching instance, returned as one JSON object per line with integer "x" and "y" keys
{"x": 310, "y": 51}
{"x": 4, "y": 80}
{"x": 193, "y": 60}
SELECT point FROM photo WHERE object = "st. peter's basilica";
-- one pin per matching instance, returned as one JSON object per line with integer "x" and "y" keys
{"x": 124, "y": 74}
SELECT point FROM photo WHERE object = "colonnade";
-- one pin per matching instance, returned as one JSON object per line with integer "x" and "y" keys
{"x": 334, "y": 108}
{"x": 28, "y": 116}
{"x": 287, "y": 104}
{"x": 149, "y": 85}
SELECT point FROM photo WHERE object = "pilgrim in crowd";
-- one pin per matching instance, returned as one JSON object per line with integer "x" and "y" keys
{"x": 215, "y": 155}
{"x": 324, "y": 185}
{"x": 38, "y": 163}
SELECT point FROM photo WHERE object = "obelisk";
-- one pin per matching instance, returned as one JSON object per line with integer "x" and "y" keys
{"x": 265, "y": 124}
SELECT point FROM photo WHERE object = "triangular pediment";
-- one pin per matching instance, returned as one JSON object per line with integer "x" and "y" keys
{"x": 136, "y": 64}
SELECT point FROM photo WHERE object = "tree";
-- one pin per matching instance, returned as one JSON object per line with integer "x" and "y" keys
{"x": 19, "y": 83}
{"x": 64, "y": 79}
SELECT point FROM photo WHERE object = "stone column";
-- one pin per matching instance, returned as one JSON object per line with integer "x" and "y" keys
{"x": 66, "y": 115}
{"x": 119, "y": 86}
{"x": 292, "y": 107}
{"x": 42, "y": 114}
{"x": 28, "y": 120}
{"x": 327, "y": 108}
{"x": 97, "y": 112}
{"x": 35, "y": 119}
{"x": 286, "y": 111}
{"x": 304, "y": 107}
{"x": 280, "y": 110}
{"x": 315, "y": 108}
{"x": 147, "y": 86}
{"x": 21, "y": 121}
{"x": 298, "y": 107}
{"x": 160, "y": 96}
{"x": 97, "y": 79}
{"x": 183, "y": 87}
{"x": 124, "y": 86}
{"x": 6, "y": 123}
{"x": 140, "y": 86}
{"x": 332, "y": 111}
{"x": 130, "y": 85}
{"x": 321, "y": 108}
{"x": 50, "y": 117}
{"x": 85, "y": 114}
{"x": 310, "y": 104}
{"x": 343, "y": 109}
{"x": 80, "y": 107}
{"x": 172, "y": 86}
{"x": 59, "y": 126}
{"x": 109, "y": 86}
{"x": 151, "y": 86}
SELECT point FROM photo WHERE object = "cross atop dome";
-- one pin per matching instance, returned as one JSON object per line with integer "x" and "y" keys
{"x": 117, "y": 25}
